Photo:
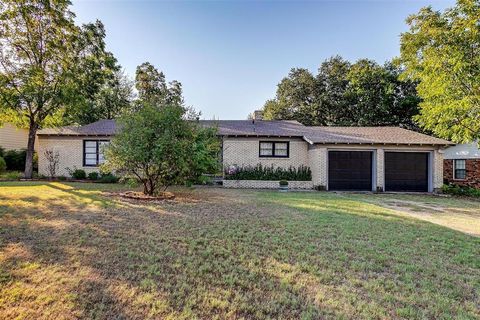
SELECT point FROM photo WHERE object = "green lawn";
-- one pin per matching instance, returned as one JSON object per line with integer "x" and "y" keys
{"x": 79, "y": 251}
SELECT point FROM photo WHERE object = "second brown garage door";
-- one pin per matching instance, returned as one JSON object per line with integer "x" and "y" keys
{"x": 406, "y": 171}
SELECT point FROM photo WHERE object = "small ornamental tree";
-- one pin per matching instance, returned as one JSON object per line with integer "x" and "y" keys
{"x": 160, "y": 147}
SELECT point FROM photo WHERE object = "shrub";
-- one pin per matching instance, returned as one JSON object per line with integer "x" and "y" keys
{"x": 13, "y": 175}
{"x": 260, "y": 172}
{"x": 457, "y": 190}
{"x": 2, "y": 152}
{"x": 79, "y": 174}
{"x": 62, "y": 178}
{"x": 108, "y": 178}
{"x": 161, "y": 147}
{"x": 283, "y": 183}
{"x": 3, "y": 165}
{"x": 15, "y": 159}
{"x": 93, "y": 175}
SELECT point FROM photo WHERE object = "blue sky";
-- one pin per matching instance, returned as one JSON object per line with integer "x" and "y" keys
{"x": 230, "y": 55}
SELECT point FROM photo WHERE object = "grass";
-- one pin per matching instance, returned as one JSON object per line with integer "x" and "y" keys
{"x": 73, "y": 251}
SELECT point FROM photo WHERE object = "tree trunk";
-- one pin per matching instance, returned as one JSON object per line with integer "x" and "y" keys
{"x": 32, "y": 133}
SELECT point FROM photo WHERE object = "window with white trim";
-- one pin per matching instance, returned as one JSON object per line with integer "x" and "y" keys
{"x": 274, "y": 149}
{"x": 459, "y": 169}
{"x": 93, "y": 152}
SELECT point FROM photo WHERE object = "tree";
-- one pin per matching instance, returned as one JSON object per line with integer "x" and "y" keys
{"x": 364, "y": 93}
{"x": 153, "y": 89}
{"x": 111, "y": 100}
{"x": 160, "y": 147}
{"x": 37, "y": 55}
{"x": 102, "y": 90}
{"x": 378, "y": 98}
{"x": 442, "y": 52}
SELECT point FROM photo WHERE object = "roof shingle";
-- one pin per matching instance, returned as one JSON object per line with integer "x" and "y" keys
{"x": 258, "y": 128}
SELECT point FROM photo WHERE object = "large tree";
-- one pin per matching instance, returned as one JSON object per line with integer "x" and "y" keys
{"x": 364, "y": 93}
{"x": 160, "y": 146}
{"x": 153, "y": 89}
{"x": 37, "y": 56}
{"x": 442, "y": 51}
{"x": 103, "y": 91}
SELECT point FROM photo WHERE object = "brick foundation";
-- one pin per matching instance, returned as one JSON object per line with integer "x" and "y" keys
{"x": 472, "y": 178}
{"x": 263, "y": 184}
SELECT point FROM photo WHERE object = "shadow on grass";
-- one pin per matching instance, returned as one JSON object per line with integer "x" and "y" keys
{"x": 275, "y": 256}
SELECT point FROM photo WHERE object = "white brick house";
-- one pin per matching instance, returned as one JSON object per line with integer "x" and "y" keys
{"x": 340, "y": 158}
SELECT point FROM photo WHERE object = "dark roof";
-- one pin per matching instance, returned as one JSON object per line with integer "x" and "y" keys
{"x": 99, "y": 128}
{"x": 259, "y": 128}
{"x": 370, "y": 135}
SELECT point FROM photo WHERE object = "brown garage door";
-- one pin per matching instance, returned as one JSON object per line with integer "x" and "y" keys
{"x": 406, "y": 171}
{"x": 350, "y": 170}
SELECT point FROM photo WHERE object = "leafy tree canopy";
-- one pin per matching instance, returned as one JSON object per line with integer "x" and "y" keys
{"x": 37, "y": 59}
{"x": 442, "y": 52}
{"x": 153, "y": 89}
{"x": 364, "y": 93}
{"x": 160, "y": 146}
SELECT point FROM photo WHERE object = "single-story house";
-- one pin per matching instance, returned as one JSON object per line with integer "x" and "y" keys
{"x": 340, "y": 158}
{"x": 462, "y": 165}
{"x": 13, "y": 138}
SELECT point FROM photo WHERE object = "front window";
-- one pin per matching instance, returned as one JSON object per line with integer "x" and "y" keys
{"x": 274, "y": 149}
{"x": 93, "y": 152}
{"x": 460, "y": 171}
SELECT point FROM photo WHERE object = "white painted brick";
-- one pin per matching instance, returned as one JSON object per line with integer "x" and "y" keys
{"x": 70, "y": 150}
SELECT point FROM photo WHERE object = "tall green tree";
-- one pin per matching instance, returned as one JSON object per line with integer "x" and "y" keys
{"x": 98, "y": 78}
{"x": 364, "y": 93}
{"x": 153, "y": 89}
{"x": 442, "y": 51}
{"x": 37, "y": 56}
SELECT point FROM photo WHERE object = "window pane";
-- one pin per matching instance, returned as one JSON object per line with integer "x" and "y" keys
{"x": 460, "y": 174}
{"x": 91, "y": 161}
{"x": 266, "y": 149}
{"x": 281, "y": 149}
{"x": 91, "y": 144}
{"x": 281, "y": 146}
{"x": 266, "y": 152}
{"x": 91, "y": 150}
{"x": 459, "y": 164}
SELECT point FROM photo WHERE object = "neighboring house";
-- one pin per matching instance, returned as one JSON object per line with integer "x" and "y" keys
{"x": 13, "y": 138}
{"x": 462, "y": 165}
{"x": 340, "y": 158}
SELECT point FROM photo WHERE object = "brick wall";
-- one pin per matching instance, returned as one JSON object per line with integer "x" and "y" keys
{"x": 244, "y": 152}
{"x": 264, "y": 184}
{"x": 472, "y": 178}
{"x": 70, "y": 150}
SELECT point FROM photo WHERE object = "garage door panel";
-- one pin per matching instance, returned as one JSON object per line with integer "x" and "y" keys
{"x": 406, "y": 171}
{"x": 350, "y": 170}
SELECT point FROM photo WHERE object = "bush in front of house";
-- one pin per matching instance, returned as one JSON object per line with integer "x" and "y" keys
{"x": 108, "y": 178}
{"x": 457, "y": 190}
{"x": 3, "y": 165}
{"x": 79, "y": 174}
{"x": 161, "y": 147}
{"x": 260, "y": 172}
{"x": 15, "y": 159}
{"x": 93, "y": 176}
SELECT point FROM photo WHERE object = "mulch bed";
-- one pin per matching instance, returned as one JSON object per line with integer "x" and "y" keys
{"x": 141, "y": 196}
